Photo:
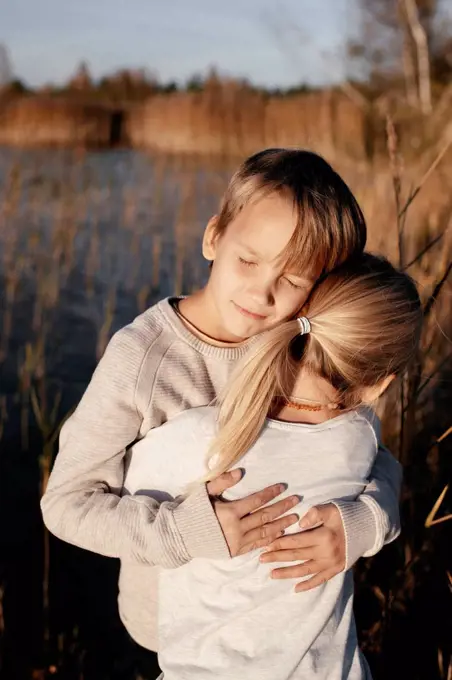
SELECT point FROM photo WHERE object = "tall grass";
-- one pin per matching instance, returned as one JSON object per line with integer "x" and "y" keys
{"x": 87, "y": 242}
{"x": 417, "y": 421}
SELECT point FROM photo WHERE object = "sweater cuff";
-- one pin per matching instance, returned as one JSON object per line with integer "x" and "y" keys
{"x": 361, "y": 528}
{"x": 199, "y": 528}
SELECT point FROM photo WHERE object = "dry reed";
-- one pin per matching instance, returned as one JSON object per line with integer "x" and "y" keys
{"x": 80, "y": 243}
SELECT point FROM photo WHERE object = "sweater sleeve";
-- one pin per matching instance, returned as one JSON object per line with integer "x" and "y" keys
{"x": 82, "y": 504}
{"x": 373, "y": 520}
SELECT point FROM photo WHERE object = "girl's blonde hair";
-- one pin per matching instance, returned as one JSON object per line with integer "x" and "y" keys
{"x": 365, "y": 325}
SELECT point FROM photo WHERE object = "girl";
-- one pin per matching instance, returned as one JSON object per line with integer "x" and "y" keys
{"x": 293, "y": 410}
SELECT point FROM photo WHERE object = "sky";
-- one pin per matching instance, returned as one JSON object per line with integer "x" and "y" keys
{"x": 271, "y": 42}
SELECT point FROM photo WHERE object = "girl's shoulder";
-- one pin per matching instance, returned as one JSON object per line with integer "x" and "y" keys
{"x": 202, "y": 419}
{"x": 369, "y": 420}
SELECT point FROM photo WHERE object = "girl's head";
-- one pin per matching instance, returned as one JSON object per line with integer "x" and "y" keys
{"x": 365, "y": 321}
{"x": 286, "y": 219}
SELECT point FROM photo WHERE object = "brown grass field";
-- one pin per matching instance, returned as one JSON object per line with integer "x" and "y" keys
{"x": 87, "y": 241}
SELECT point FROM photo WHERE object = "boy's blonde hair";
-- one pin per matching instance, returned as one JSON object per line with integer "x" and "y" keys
{"x": 331, "y": 226}
{"x": 365, "y": 324}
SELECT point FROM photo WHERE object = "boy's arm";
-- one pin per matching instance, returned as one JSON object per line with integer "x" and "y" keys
{"x": 373, "y": 519}
{"x": 82, "y": 504}
{"x": 349, "y": 529}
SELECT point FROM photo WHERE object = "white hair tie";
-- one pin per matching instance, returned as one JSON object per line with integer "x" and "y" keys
{"x": 305, "y": 325}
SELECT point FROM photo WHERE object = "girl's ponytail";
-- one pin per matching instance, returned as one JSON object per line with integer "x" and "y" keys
{"x": 263, "y": 375}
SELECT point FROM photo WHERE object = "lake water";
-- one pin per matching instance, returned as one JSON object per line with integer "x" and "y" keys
{"x": 87, "y": 242}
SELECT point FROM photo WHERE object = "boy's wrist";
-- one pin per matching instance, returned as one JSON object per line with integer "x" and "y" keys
{"x": 363, "y": 533}
{"x": 199, "y": 528}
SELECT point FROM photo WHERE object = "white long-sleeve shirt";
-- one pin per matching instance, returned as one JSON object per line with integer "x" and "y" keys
{"x": 225, "y": 619}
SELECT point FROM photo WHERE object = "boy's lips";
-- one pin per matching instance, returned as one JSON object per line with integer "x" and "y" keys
{"x": 250, "y": 315}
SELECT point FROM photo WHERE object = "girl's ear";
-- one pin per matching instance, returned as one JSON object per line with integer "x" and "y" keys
{"x": 210, "y": 238}
{"x": 371, "y": 394}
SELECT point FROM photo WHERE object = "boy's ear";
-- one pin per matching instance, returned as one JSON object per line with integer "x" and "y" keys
{"x": 210, "y": 238}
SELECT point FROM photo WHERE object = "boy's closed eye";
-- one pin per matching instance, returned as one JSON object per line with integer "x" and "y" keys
{"x": 293, "y": 284}
{"x": 247, "y": 263}
{"x": 298, "y": 285}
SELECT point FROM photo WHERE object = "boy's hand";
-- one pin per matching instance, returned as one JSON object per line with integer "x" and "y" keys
{"x": 245, "y": 523}
{"x": 322, "y": 548}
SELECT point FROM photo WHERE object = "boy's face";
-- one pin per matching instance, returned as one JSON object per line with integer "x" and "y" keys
{"x": 250, "y": 288}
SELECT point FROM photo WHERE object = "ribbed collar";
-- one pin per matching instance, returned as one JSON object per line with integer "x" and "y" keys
{"x": 184, "y": 333}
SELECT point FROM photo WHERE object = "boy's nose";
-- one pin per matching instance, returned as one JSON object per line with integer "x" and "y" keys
{"x": 262, "y": 295}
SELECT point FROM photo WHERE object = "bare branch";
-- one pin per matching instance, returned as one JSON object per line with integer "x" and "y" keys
{"x": 6, "y": 72}
{"x": 282, "y": 24}
{"x": 409, "y": 68}
{"x": 435, "y": 371}
{"x": 436, "y": 291}
{"x": 444, "y": 435}
{"x": 443, "y": 105}
{"x": 431, "y": 519}
{"x": 423, "y": 58}
{"x": 425, "y": 250}
{"x": 395, "y": 164}
{"x": 426, "y": 176}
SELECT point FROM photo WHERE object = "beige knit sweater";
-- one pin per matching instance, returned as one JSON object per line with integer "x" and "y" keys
{"x": 153, "y": 369}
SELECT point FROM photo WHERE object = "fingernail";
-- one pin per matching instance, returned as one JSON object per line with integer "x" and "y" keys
{"x": 304, "y": 523}
{"x": 236, "y": 474}
{"x": 296, "y": 500}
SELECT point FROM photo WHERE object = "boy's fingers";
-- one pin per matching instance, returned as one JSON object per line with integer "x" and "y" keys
{"x": 269, "y": 513}
{"x": 312, "y": 518}
{"x": 289, "y": 555}
{"x": 245, "y": 506}
{"x": 223, "y": 482}
{"x": 302, "y": 539}
{"x": 297, "y": 571}
{"x": 317, "y": 580}
{"x": 262, "y": 536}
